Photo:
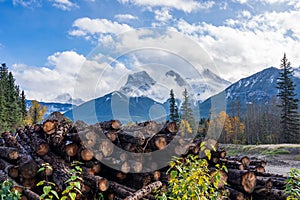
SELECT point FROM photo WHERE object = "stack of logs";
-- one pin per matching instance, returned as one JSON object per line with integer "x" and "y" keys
{"x": 58, "y": 142}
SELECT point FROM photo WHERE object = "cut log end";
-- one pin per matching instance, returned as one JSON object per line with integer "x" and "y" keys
{"x": 103, "y": 185}
{"x": 42, "y": 149}
{"x": 49, "y": 127}
{"x": 160, "y": 143}
{"x": 86, "y": 154}
{"x": 249, "y": 182}
{"x": 71, "y": 149}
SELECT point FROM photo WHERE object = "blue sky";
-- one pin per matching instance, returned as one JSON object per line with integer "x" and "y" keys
{"x": 47, "y": 41}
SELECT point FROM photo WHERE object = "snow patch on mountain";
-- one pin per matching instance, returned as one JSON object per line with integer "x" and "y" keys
{"x": 67, "y": 98}
{"x": 158, "y": 85}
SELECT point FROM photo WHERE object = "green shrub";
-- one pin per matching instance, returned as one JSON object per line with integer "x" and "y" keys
{"x": 292, "y": 186}
{"x": 6, "y": 192}
{"x": 190, "y": 179}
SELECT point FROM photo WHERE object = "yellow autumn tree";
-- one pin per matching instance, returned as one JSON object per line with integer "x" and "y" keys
{"x": 35, "y": 113}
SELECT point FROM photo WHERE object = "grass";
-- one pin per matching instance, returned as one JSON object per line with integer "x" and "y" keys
{"x": 274, "y": 152}
{"x": 271, "y": 150}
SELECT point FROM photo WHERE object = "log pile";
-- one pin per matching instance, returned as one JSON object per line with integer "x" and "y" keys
{"x": 98, "y": 147}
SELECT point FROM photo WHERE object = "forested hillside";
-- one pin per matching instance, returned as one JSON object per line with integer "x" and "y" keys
{"x": 12, "y": 101}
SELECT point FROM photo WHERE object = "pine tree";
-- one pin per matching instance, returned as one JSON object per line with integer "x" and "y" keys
{"x": 10, "y": 101}
{"x": 174, "y": 117}
{"x": 23, "y": 105}
{"x": 288, "y": 103}
{"x": 187, "y": 111}
{"x": 14, "y": 116}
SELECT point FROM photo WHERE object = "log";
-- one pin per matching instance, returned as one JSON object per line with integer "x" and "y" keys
{"x": 96, "y": 182}
{"x": 245, "y": 160}
{"x": 9, "y": 153}
{"x": 135, "y": 137}
{"x": 232, "y": 164}
{"x": 258, "y": 162}
{"x": 86, "y": 154}
{"x": 235, "y": 195}
{"x": 242, "y": 180}
{"x": 277, "y": 182}
{"x": 222, "y": 179}
{"x": 25, "y": 191}
{"x": 106, "y": 147}
{"x": 110, "y": 125}
{"x": 71, "y": 148}
{"x": 27, "y": 166}
{"x": 257, "y": 168}
{"x": 265, "y": 194}
{"x": 145, "y": 191}
{"x": 9, "y": 169}
{"x": 120, "y": 190}
{"x": 49, "y": 126}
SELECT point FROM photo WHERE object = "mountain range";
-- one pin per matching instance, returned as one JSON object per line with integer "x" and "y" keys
{"x": 142, "y": 97}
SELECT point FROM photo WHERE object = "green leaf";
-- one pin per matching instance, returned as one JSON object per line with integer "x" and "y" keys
{"x": 64, "y": 198}
{"x": 173, "y": 174}
{"x": 207, "y": 153}
{"x": 77, "y": 185}
{"x": 40, "y": 183}
{"x": 46, "y": 189}
{"x": 54, "y": 193}
{"x": 41, "y": 169}
{"x": 72, "y": 195}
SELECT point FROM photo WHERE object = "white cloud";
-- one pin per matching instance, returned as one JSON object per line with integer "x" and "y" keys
{"x": 249, "y": 43}
{"x": 64, "y": 4}
{"x": 162, "y": 15}
{"x": 125, "y": 17}
{"x": 184, "y": 5}
{"x": 293, "y": 3}
{"x": 240, "y": 1}
{"x": 58, "y": 78}
{"x": 95, "y": 27}
{"x": 69, "y": 72}
{"x": 27, "y": 3}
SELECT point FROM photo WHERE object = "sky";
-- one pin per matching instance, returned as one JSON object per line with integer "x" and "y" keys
{"x": 47, "y": 44}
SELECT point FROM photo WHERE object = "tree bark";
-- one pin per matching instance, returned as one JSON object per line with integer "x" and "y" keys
{"x": 242, "y": 180}
{"x": 144, "y": 191}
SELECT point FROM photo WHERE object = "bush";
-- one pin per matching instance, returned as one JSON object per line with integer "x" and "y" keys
{"x": 7, "y": 193}
{"x": 190, "y": 179}
{"x": 292, "y": 186}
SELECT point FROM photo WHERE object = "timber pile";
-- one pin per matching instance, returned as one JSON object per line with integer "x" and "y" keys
{"x": 58, "y": 141}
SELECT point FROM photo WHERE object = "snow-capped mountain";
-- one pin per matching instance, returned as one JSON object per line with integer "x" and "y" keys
{"x": 158, "y": 87}
{"x": 52, "y": 107}
{"x": 257, "y": 88}
{"x": 116, "y": 105}
{"x": 67, "y": 98}
{"x": 297, "y": 72}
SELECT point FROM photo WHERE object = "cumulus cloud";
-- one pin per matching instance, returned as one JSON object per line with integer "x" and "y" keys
{"x": 58, "y": 76}
{"x": 125, "y": 17}
{"x": 162, "y": 15}
{"x": 184, "y": 5}
{"x": 249, "y": 43}
{"x": 97, "y": 28}
{"x": 64, "y": 4}
{"x": 70, "y": 73}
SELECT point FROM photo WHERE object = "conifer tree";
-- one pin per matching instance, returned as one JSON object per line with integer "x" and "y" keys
{"x": 187, "y": 111}
{"x": 174, "y": 116}
{"x": 11, "y": 102}
{"x": 288, "y": 103}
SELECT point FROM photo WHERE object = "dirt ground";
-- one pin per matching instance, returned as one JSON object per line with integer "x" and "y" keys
{"x": 280, "y": 157}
